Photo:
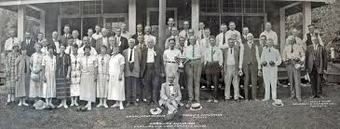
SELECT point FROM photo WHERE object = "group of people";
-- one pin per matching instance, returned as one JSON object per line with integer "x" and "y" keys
{"x": 133, "y": 68}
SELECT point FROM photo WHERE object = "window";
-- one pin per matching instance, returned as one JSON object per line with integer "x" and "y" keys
{"x": 243, "y": 6}
{"x": 232, "y": 6}
{"x": 209, "y": 6}
{"x": 92, "y": 7}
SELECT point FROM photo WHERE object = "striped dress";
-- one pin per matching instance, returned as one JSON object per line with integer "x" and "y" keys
{"x": 103, "y": 75}
{"x": 63, "y": 84}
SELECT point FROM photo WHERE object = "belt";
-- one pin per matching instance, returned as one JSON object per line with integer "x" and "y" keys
{"x": 195, "y": 59}
{"x": 173, "y": 62}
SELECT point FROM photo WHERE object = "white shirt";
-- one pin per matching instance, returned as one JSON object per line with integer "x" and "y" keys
{"x": 219, "y": 40}
{"x": 105, "y": 41}
{"x": 126, "y": 34}
{"x": 57, "y": 45}
{"x": 9, "y": 43}
{"x": 313, "y": 35}
{"x": 132, "y": 57}
{"x": 229, "y": 33}
{"x": 151, "y": 56}
{"x": 270, "y": 35}
{"x": 169, "y": 55}
{"x": 118, "y": 39}
{"x": 97, "y": 36}
{"x": 68, "y": 50}
{"x": 231, "y": 57}
{"x": 79, "y": 42}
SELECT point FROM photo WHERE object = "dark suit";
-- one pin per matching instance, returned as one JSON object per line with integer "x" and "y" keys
{"x": 135, "y": 36}
{"x": 123, "y": 43}
{"x": 51, "y": 42}
{"x": 142, "y": 57}
{"x": 131, "y": 76}
{"x": 99, "y": 44}
{"x": 167, "y": 32}
{"x": 150, "y": 74}
{"x": 28, "y": 46}
{"x": 93, "y": 42}
{"x": 316, "y": 63}
{"x": 244, "y": 39}
{"x": 63, "y": 38}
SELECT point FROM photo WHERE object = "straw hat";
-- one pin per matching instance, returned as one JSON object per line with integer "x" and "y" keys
{"x": 39, "y": 105}
{"x": 155, "y": 111}
{"x": 277, "y": 103}
{"x": 195, "y": 107}
{"x": 34, "y": 77}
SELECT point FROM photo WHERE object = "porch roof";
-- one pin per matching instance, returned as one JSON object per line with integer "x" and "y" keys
{"x": 23, "y": 2}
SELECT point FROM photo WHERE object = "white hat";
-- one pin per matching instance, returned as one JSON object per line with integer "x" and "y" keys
{"x": 39, "y": 105}
{"x": 195, "y": 107}
{"x": 277, "y": 103}
{"x": 155, "y": 111}
{"x": 35, "y": 77}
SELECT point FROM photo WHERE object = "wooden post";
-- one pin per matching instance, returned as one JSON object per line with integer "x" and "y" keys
{"x": 42, "y": 22}
{"x": 21, "y": 22}
{"x": 195, "y": 14}
{"x": 161, "y": 24}
{"x": 282, "y": 29}
{"x": 132, "y": 16}
{"x": 307, "y": 15}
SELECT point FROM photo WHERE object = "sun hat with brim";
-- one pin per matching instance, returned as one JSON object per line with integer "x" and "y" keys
{"x": 277, "y": 103}
{"x": 39, "y": 105}
{"x": 195, "y": 107}
{"x": 15, "y": 45}
{"x": 35, "y": 77}
{"x": 155, "y": 111}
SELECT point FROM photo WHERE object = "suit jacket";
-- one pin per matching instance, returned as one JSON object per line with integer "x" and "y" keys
{"x": 158, "y": 64}
{"x": 136, "y": 64}
{"x": 165, "y": 94}
{"x": 236, "y": 58}
{"x": 51, "y": 42}
{"x": 63, "y": 38}
{"x": 142, "y": 58}
{"x": 135, "y": 36}
{"x": 29, "y": 47}
{"x": 93, "y": 42}
{"x": 99, "y": 44}
{"x": 124, "y": 43}
{"x": 320, "y": 56}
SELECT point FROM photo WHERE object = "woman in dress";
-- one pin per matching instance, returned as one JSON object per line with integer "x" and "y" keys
{"x": 10, "y": 72}
{"x": 36, "y": 82}
{"x": 44, "y": 48}
{"x": 63, "y": 72}
{"x": 22, "y": 65}
{"x": 116, "y": 89}
{"x": 75, "y": 76}
{"x": 88, "y": 78}
{"x": 103, "y": 76}
{"x": 49, "y": 66}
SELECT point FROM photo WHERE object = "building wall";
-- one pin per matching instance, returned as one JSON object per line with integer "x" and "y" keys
{"x": 51, "y": 18}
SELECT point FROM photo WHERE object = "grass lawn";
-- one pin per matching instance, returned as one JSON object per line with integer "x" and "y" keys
{"x": 230, "y": 114}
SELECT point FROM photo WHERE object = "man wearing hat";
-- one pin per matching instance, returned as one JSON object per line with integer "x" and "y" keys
{"x": 10, "y": 72}
{"x": 170, "y": 95}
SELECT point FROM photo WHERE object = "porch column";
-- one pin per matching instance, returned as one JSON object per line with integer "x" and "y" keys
{"x": 195, "y": 14}
{"x": 161, "y": 24}
{"x": 42, "y": 22}
{"x": 282, "y": 29}
{"x": 132, "y": 16}
{"x": 21, "y": 22}
{"x": 307, "y": 16}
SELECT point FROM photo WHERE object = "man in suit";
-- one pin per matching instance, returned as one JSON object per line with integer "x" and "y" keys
{"x": 64, "y": 38}
{"x": 170, "y": 95}
{"x": 139, "y": 33}
{"x": 205, "y": 42}
{"x": 174, "y": 35}
{"x": 307, "y": 38}
{"x": 221, "y": 38}
{"x": 131, "y": 71}
{"x": 245, "y": 32}
{"x": 91, "y": 39}
{"x": 124, "y": 32}
{"x": 316, "y": 64}
{"x": 104, "y": 40}
{"x": 232, "y": 69}
{"x": 250, "y": 66}
{"x": 121, "y": 41}
{"x": 270, "y": 59}
{"x": 213, "y": 62}
{"x": 152, "y": 69}
{"x": 55, "y": 42}
{"x": 293, "y": 57}
{"x": 171, "y": 24}
{"x": 142, "y": 48}
{"x": 200, "y": 33}
{"x": 28, "y": 44}
{"x": 98, "y": 34}
{"x": 185, "y": 31}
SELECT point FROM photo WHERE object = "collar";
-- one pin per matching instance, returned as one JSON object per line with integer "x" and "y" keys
{"x": 151, "y": 49}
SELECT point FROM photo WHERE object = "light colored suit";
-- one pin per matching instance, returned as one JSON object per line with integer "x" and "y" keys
{"x": 170, "y": 97}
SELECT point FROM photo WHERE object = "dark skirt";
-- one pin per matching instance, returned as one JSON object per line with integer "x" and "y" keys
{"x": 63, "y": 88}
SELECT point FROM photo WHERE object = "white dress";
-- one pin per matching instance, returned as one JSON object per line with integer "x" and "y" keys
{"x": 35, "y": 89}
{"x": 87, "y": 83}
{"x": 116, "y": 89}
{"x": 75, "y": 75}
{"x": 49, "y": 87}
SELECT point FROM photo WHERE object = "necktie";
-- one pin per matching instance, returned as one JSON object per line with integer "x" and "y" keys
{"x": 202, "y": 34}
{"x": 291, "y": 50}
{"x": 69, "y": 50}
{"x": 130, "y": 58}
{"x": 231, "y": 50}
{"x": 212, "y": 54}
{"x": 193, "y": 51}
{"x": 25, "y": 66}
{"x": 223, "y": 38}
{"x": 182, "y": 50}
